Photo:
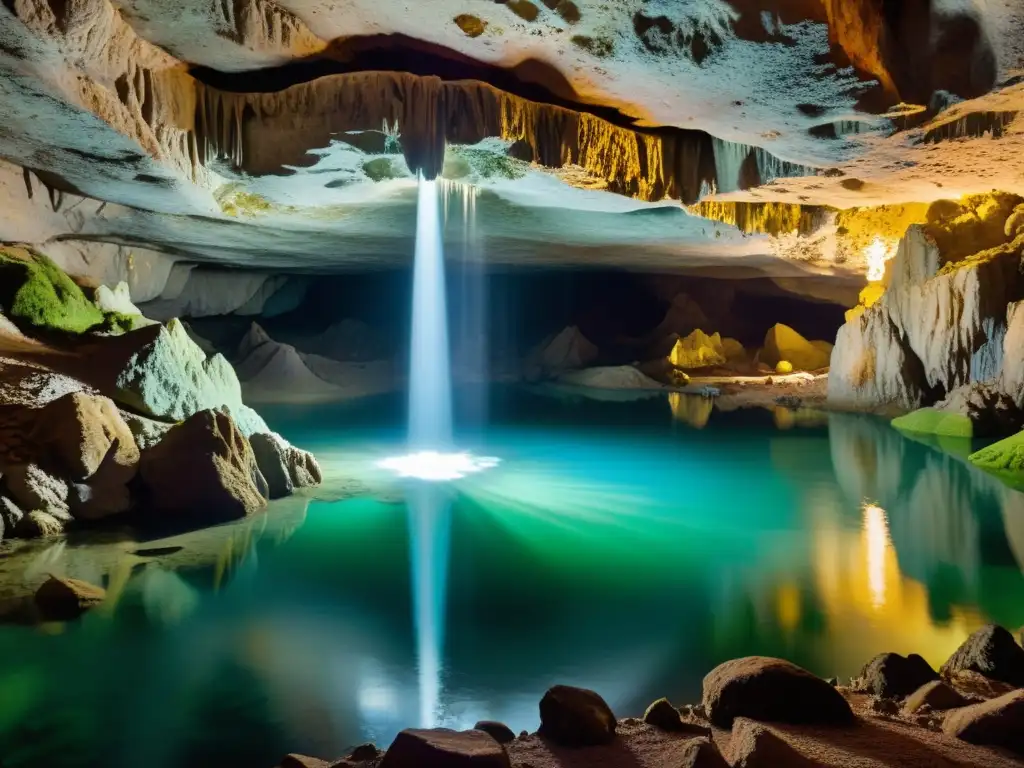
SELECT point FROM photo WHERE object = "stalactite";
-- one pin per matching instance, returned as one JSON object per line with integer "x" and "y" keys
{"x": 764, "y": 218}
{"x": 260, "y": 133}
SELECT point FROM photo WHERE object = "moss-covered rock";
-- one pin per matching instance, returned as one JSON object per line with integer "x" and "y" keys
{"x": 36, "y": 293}
{"x": 1004, "y": 458}
{"x": 931, "y": 421}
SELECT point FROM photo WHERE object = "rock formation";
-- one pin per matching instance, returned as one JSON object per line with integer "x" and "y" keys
{"x": 943, "y": 320}
{"x": 567, "y": 350}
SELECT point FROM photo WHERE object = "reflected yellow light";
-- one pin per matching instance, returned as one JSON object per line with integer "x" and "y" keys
{"x": 877, "y": 253}
{"x": 690, "y": 409}
{"x": 787, "y": 606}
{"x": 876, "y": 545}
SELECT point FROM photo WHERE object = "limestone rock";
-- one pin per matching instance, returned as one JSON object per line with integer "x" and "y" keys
{"x": 147, "y": 432}
{"x": 770, "y": 689}
{"x": 38, "y": 524}
{"x": 575, "y": 717}
{"x": 993, "y": 652}
{"x": 997, "y": 723}
{"x": 754, "y": 746}
{"x": 83, "y": 432}
{"x": 701, "y": 753}
{"x": 935, "y": 695}
{"x": 500, "y": 732}
{"x": 872, "y": 365}
{"x": 67, "y": 599}
{"x": 1011, "y": 375}
{"x": 203, "y": 466}
{"x": 167, "y": 376}
{"x": 783, "y": 343}
{"x": 119, "y": 299}
{"x": 444, "y": 748}
{"x": 10, "y": 516}
{"x": 270, "y": 459}
{"x": 32, "y": 487}
{"x": 86, "y": 441}
{"x": 569, "y": 350}
{"x": 890, "y": 674}
{"x": 698, "y": 350}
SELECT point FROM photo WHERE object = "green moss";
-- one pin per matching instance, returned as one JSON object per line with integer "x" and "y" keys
{"x": 234, "y": 201}
{"x": 381, "y": 169}
{"x": 930, "y": 421}
{"x": 35, "y": 292}
{"x": 1005, "y": 457}
{"x": 118, "y": 322}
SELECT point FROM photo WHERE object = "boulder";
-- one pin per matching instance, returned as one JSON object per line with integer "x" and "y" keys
{"x": 32, "y": 487}
{"x": 270, "y": 458}
{"x": 661, "y": 714}
{"x": 752, "y": 745}
{"x": 575, "y": 717}
{"x": 147, "y": 432}
{"x": 995, "y": 723}
{"x": 86, "y": 441}
{"x": 10, "y": 516}
{"x": 891, "y": 675}
{"x": 935, "y": 695}
{"x": 82, "y": 432}
{"x": 698, "y": 350}
{"x": 783, "y": 343}
{"x": 204, "y": 465}
{"x": 118, "y": 299}
{"x": 364, "y": 752}
{"x": 166, "y": 376}
{"x": 500, "y": 732}
{"x": 67, "y": 599}
{"x": 700, "y": 753}
{"x": 993, "y": 652}
{"x": 36, "y": 292}
{"x": 444, "y": 748}
{"x": 770, "y": 689}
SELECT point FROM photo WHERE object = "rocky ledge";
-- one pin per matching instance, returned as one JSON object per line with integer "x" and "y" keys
{"x": 105, "y": 414}
{"x": 759, "y": 712}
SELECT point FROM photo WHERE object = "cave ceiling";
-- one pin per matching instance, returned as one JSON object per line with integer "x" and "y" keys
{"x": 289, "y": 135}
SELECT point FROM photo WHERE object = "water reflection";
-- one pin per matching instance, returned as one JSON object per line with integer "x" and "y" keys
{"x": 625, "y": 560}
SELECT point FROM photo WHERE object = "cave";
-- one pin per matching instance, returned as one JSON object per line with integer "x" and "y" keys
{"x": 516, "y": 384}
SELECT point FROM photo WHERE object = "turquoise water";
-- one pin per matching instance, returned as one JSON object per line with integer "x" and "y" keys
{"x": 616, "y": 546}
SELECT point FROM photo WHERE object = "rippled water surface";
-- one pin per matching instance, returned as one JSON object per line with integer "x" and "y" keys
{"x": 624, "y": 546}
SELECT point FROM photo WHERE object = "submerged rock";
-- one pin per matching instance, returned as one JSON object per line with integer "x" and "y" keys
{"x": 204, "y": 466}
{"x": 575, "y": 717}
{"x": 764, "y": 688}
{"x": 991, "y": 651}
{"x": 996, "y": 723}
{"x": 889, "y": 674}
{"x": 66, "y": 599}
{"x": 444, "y": 748}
